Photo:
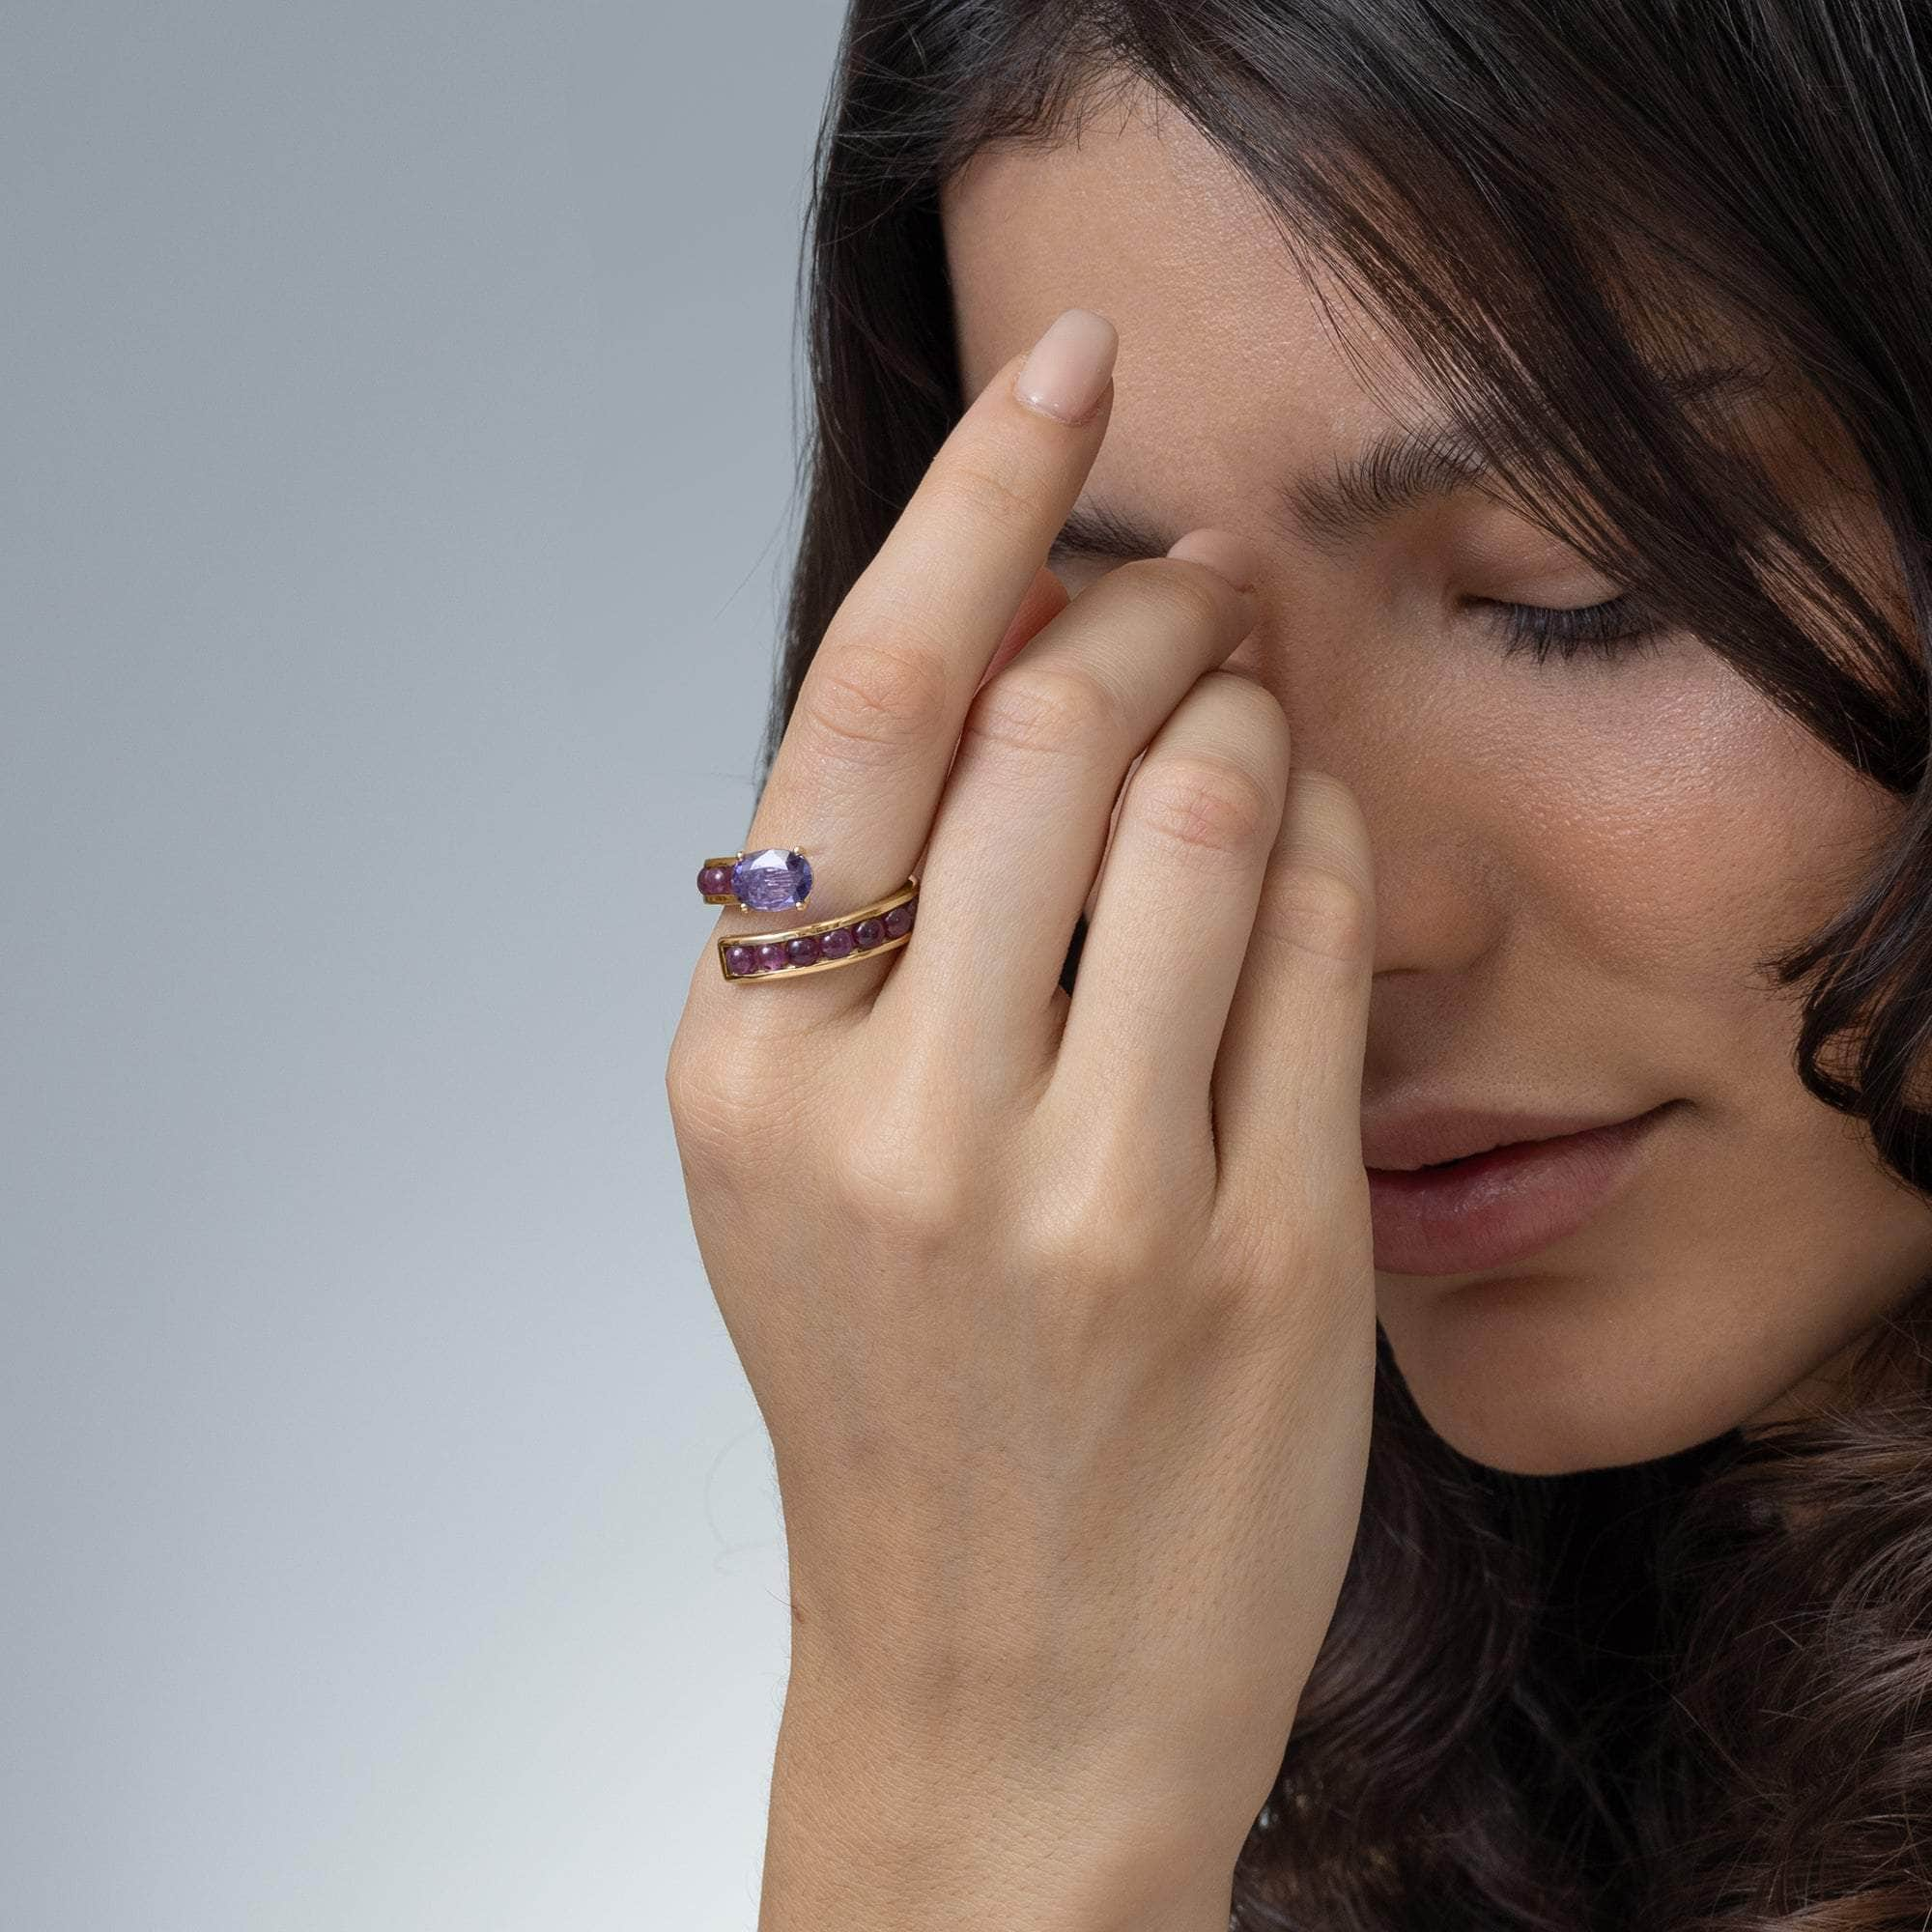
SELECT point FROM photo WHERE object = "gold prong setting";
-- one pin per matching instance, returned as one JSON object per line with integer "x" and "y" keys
{"x": 766, "y": 880}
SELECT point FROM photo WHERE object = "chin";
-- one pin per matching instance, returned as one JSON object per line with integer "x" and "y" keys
{"x": 1511, "y": 1375}
{"x": 1541, "y": 1440}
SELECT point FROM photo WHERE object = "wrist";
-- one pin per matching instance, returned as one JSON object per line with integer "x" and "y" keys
{"x": 881, "y": 1819}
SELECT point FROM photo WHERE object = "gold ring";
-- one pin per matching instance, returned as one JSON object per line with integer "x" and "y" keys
{"x": 882, "y": 926}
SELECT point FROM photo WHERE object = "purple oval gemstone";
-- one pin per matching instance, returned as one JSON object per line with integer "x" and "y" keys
{"x": 741, "y": 958}
{"x": 898, "y": 922}
{"x": 771, "y": 956}
{"x": 802, "y": 950}
{"x": 836, "y": 943}
{"x": 867, "y": 932}
{"x": 772, "y": 879}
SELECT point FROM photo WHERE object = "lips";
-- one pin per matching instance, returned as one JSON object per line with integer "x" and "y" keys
{"x": 1425, "y": 1137}
{"x": 1452, "y": 1192}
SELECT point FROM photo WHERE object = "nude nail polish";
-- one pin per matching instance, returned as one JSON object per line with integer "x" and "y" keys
{"x": 1067, "y": 373}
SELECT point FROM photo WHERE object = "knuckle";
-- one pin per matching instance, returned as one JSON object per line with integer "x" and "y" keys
{"x": 714, "y": 1110}
{"x": 730, "y": 1102}
{"x": 1251, "y": 706}
{"x": 907, "y": 1187}
{"x": 1108, "y": 1214}
{"x": 986, "y": 494}
{"x": 1316, "y": 910}
{"x": 1205, "y": 802}
{"x": 1094, "y": 1242}
{"x": 867, "y": 694}
{"x": 1041, "y": 707}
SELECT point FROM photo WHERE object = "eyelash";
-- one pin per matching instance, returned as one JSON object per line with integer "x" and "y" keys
{"x": 1615, "y": 628}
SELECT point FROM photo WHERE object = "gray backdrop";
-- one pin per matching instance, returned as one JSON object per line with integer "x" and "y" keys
{"x": 398, "y": 461}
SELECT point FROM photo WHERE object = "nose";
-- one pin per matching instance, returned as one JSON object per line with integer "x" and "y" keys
{"x": 1440, "y": 844}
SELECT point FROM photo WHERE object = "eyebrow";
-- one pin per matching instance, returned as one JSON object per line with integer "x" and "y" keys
{"x": 1399, "y": 470}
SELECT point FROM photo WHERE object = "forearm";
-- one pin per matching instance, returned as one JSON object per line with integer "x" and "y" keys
{"x": 873, "y": 1828}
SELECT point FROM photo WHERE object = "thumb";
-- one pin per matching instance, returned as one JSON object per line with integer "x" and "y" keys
{"x": 1287, "y": 1079}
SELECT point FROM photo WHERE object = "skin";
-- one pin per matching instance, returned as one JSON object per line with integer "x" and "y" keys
{"x": 1577, "y": 864}
{"x": 1036, "y": 1324}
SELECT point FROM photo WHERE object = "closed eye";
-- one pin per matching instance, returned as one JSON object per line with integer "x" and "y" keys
{"x": 1619, "y": 627}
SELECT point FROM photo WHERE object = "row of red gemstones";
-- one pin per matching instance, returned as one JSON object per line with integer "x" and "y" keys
{"x": 741, "y": 961}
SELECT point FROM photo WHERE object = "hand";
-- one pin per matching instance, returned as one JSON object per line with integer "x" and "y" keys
{"x": 1058, "y": 1311}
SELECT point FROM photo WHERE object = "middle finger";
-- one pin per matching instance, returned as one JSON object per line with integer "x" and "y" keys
{"x": 1020, "y": 828}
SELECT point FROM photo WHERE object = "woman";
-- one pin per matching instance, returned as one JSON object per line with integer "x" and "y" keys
{"x": 1382, "y": 1384}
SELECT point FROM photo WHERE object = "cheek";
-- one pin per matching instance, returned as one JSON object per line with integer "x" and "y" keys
{"x": 1677, "y": 827}
{"x": 1656, "y": 829}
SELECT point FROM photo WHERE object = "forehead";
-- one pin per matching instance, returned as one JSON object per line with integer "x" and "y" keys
{"x": 1224, "y": 342}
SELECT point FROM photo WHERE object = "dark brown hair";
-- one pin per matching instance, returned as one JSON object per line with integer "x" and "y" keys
{"x": 1683, "y": 1695}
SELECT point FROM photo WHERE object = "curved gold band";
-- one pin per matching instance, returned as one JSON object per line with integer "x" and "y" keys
{"x": 882, "y": 926}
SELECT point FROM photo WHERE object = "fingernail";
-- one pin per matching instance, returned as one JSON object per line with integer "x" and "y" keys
{"x": 1067, "y": 374}
{"x": 1223, "y": 552}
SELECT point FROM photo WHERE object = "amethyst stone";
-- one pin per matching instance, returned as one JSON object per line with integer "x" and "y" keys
{"x": 770, "y": 879}
{"x": 771, "y": 956}
{"x": 836, "y": 943}
{"x": 898, "y": 922}
{"x": 714, "y": 879}
{"x": 867, "y": 933}
{"x": 803, "y": 950}
{"x": 741, "y": 958}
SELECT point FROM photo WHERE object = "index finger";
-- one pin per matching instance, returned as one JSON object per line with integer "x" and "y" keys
{"x": 964, "y": 550}
{"x": 856, "y": 779}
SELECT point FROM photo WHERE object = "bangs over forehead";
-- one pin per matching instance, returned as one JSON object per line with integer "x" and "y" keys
{"x": 1538, "y": 250}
